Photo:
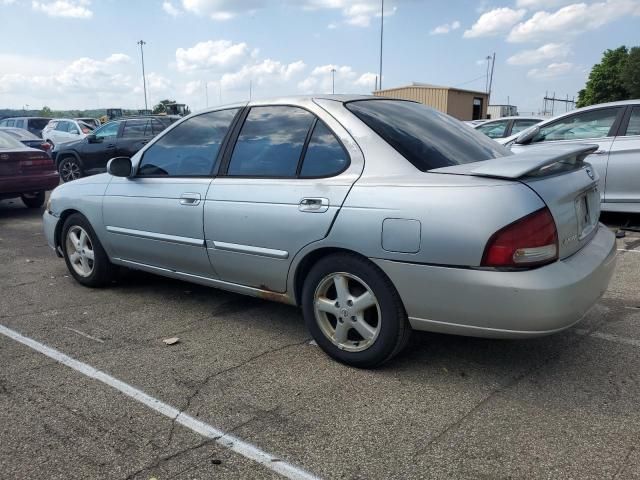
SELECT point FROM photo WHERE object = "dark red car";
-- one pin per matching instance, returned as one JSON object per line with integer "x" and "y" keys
{"x": 25, "y": 172}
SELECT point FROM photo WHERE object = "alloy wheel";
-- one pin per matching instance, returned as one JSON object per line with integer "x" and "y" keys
{"x": 70, "y": 170}
{"x": 80, "y": 251}
{"x": 347, "y": 311}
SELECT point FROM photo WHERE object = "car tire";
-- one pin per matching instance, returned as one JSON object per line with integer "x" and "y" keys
{"x": 33, "y": 200}
{"x": 70, "y": 169}
{"x": 359, "y": 337}
{"x": 79, "y": 244}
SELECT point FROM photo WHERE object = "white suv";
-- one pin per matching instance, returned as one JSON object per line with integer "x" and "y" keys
{"x": 61, "y": 130}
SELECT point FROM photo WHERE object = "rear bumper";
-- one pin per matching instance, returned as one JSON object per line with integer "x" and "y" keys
{"x": 15, "y": 186}
{"x": 505, "y": 304}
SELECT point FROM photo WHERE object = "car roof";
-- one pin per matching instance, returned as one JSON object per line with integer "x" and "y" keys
{"x": 621, "y": 103}
{"x": 517, "y": 117}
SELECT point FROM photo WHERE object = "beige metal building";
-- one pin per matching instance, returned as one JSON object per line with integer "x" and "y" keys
{"x": 459, "y": 103}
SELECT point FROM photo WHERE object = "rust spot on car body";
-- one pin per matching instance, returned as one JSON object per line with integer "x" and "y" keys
{"x": 268, "y": 294}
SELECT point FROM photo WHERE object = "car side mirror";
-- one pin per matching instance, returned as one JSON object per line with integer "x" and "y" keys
{"x": 120, "y": 167}
{"x": 527, "y": 136}
{"x": 91, "y": 138}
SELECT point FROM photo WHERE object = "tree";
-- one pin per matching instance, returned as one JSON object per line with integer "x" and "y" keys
{"x": 631, "y": 73}
{"x": 46, "y": 112}
{"x": 605, "y": 80}
{"x": 160, "y": 107}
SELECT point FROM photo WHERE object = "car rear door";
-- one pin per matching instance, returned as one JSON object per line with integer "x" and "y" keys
{"x": 155, "y": 218}
{"x": 594, "y": 126}
{"x": 282, "y": 182}
{"x": 623, "y": 172}
{"x": 136, "y": 133}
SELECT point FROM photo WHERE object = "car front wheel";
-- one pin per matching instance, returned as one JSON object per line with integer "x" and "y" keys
{"x": 70, "y": 169}
{"x": 353, "y": 311}
{"x": 33, "y": 200}
{"x": 86, "y": 260}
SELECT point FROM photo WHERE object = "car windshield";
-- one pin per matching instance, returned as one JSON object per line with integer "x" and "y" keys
{"x": 425, "y": 137}
{"x": 8, "y": 142}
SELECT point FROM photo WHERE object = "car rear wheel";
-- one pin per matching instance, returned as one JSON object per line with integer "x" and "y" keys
{"x": 33, "y": 200}
{"x": 83, "y": 253}
{"x": 70, "y": 169}
{"x": 354, "y": 312}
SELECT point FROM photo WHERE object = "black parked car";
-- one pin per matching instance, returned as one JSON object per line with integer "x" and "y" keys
{"x": 120, "y": 138}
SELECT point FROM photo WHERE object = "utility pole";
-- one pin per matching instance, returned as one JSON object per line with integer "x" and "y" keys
{"x": 381, "y": 36}
{"x": 206, "y": 92}
{"x": 144, "y": 79}
{"x": 493, "y": 64}
{"x": 250, "y": 88}
{"x": 333, "y": 80}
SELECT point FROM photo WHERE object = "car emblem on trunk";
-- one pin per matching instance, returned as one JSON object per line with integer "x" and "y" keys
{"x": 590, "y": 173}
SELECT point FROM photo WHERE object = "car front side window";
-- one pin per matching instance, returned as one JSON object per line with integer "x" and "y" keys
{"x": 108, "y": 130}
{"x": 583, "y": 125}
{"x": 270, "y": 143}
{"x": 190, "y": 149}
{"x": 633, "y": 128}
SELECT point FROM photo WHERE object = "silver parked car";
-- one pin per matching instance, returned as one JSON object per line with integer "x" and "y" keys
{"x": 615, "y": 129}
{"x": 376, "y": 216}
{"x": 506, "y": 126}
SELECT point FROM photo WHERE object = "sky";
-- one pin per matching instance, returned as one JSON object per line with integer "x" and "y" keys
{"x": 76, "y": 54}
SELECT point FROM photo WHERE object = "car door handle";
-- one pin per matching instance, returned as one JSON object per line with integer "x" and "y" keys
{"x": 111, "y": 145}
{"x": 314, "y": 205}
{"x": 190, "y": 199}
{"x": 599, "y": 152}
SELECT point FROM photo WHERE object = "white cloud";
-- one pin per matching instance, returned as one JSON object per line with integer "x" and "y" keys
{"x": 212, "y": 54}
{"x": 538, "y": 4}
{"x": 552, "y": 70}
{"x": 118, "y": 58}
{"x": 572, "y": 20}
{"x": 445, "y": 28}
{"x": 64, "y": 8}
{"x": 221, "y": 9}
{"x": 346, "y": 80}
{"x": 494, "y": 22}
{"x": 262, "y": 73}
{"x": 171, "y": 9}
{"x": 355, "y": 12}
{"x": 550, "y": 51}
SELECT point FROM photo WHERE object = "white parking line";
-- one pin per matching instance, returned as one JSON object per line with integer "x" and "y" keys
{"x": 231, "y": 442}
{"x": 625, "y": 250}
{"x": 609, "y": 337}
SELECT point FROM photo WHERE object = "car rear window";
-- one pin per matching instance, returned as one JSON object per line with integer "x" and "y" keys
{"x": 8, "y": 142}
{"x": 425, "y": 137}
{"x": 38, "y": 123}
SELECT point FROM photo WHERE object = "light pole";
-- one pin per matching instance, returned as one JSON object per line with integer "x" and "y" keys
{"x": 144, "y": 79}
{"x": 333, "y": 80}
{"x": 381, "y": 35}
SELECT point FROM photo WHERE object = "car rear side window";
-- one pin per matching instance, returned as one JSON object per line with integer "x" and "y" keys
{"x": 427, "y": 138}
{"x": 520, "y": 125}
{"x": 11, "y": 123}
{"x": 634, "y": 122}
{"x": 325, "y": 156}
{"x": 135, "y": 128}
{"x": 19, "y": 123}
{"x": 190, "y": 149}
{"x": 270, "y": 143}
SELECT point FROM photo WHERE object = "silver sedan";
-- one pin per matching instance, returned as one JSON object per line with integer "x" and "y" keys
{"x": 376, "y": 216}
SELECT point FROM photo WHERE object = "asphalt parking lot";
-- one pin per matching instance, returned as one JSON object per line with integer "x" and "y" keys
{"x": 564, "y": 406}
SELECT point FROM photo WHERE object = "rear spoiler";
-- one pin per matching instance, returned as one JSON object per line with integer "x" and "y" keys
{"x": 521, "y": 164}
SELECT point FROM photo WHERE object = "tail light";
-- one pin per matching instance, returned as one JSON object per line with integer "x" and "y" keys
{"x": 530, "y": 241}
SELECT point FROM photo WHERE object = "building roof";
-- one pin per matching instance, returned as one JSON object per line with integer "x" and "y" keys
{"x": 430, "y": 86}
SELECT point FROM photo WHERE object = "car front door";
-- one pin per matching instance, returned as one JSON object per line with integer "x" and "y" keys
{"x": 136, "y": 133}
{"x": 100, "y": 147}
{"x": 623, "y": 173}
{"x": 155, "y": 218}
{"x": 280, "y": 187}
{"x": 594, "y": 126}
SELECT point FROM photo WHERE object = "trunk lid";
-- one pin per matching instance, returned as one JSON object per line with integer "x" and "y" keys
{"x": 561, "y": 178}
